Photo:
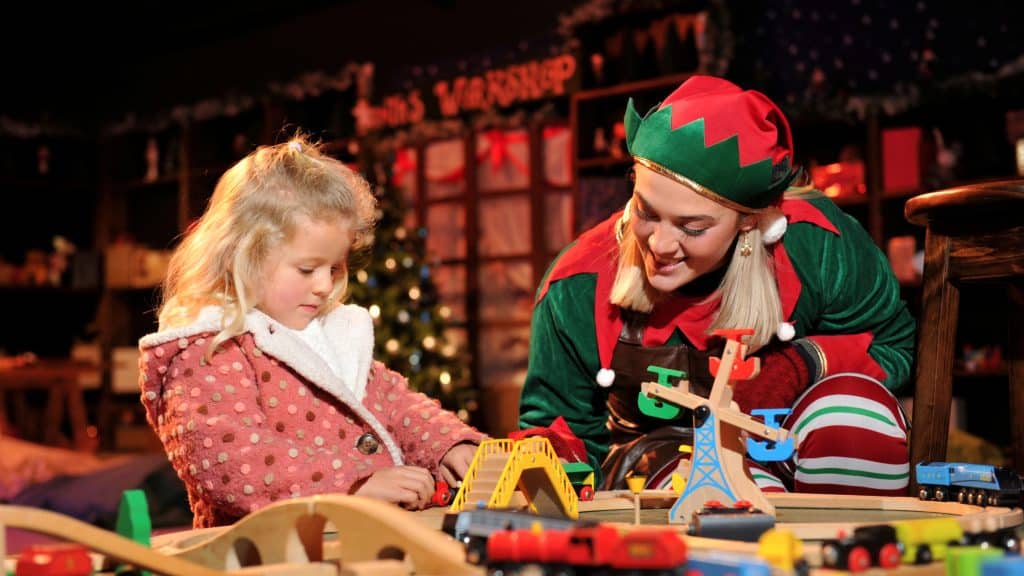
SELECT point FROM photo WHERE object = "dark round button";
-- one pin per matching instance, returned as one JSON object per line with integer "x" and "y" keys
{"x": 367, "y": 443}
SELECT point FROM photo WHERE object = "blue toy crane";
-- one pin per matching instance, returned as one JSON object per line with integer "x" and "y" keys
{"x": 717, "y": 471}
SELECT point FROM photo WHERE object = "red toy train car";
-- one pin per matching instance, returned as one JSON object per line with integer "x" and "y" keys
{"x": 54, "y": 560}
{"x": 585, "y": 549}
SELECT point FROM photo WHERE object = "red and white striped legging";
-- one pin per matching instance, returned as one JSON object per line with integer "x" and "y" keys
{"x": 850, "y": 436}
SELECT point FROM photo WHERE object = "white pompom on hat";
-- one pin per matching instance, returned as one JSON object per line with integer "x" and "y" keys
{"x": 605, "y": 377}
{"x": 772, "y": 223}
{"x": 785, "y": 331}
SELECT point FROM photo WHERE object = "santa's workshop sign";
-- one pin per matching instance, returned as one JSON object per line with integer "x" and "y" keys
{"x": 500, "y": 88}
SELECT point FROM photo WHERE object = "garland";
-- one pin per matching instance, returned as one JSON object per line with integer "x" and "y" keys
{"x": 308, "y": 85}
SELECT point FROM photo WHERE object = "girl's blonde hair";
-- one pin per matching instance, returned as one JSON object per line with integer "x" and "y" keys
{"x": 748, "y": 294}
{"x": 254, "y": 208}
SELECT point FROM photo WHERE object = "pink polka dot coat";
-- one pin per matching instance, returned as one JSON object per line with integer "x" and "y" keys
{"x": 266, "y": 419}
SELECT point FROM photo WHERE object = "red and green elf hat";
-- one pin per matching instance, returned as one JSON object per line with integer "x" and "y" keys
{"x": 731, "y": 145}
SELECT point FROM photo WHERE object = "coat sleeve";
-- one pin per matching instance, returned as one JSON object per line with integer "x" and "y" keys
{"x": 563, "y": 365}
{"x": 215, "y": 430}
{"x": 859, "y": 321}
{"x": 423, "y": 430}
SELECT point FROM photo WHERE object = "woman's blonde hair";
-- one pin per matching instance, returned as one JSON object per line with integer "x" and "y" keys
{"x": 748, "y": 293}
{"x": 254, "y": 208}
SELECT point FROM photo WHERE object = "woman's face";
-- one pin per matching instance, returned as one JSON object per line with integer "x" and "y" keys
{"x": 682, "y": 234}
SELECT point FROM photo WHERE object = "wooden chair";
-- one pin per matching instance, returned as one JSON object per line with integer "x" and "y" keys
{"x": 60, "y": 378}
{"x": 973, "y": 233}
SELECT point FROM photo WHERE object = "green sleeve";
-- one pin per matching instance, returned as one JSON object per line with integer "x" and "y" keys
{"x": 849, "y": 289}
{"x": 563, "y": 364}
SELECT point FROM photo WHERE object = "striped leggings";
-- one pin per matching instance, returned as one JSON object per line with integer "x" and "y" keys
{"x": 850, "y": 437}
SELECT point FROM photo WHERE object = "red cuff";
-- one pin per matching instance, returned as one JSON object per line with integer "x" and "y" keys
{"x": 848, "y": 353}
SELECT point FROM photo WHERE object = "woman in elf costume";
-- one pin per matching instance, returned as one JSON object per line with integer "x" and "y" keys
{"x": 719, "y": 233}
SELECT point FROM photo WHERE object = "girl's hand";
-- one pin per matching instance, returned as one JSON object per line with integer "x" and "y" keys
{"x": 409, "y": 486}
{"x": 456, "y": 463}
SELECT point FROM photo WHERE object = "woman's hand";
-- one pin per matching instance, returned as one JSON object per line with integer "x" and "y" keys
{"x": 409, "y": 486}
{"x": 456, "y": 463}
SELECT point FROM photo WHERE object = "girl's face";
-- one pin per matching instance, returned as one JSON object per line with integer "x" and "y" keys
{"x": 682, "y": 234}
{"x": 299, "y": 275}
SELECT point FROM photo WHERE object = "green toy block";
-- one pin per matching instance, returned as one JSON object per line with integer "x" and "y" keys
{"x": 133, "y": 521}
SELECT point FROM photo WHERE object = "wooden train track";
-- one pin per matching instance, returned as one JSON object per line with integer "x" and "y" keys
{"x": 972, "y": 518}
{"x": 288, "y": 537}
{"x": 98, "y": 540}
{"x": 284, "y": 538}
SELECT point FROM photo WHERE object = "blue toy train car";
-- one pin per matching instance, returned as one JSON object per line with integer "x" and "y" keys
{"x": 980, "y": 484}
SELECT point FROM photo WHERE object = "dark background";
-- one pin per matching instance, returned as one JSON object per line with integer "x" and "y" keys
{"x": 85, "y": 62}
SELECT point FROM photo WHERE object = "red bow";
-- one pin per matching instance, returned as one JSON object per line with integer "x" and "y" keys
{"x": 497, "y": 149}
{"x": 566, "y": 444}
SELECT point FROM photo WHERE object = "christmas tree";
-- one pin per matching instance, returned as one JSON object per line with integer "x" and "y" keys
{"x": 394, "y": 282}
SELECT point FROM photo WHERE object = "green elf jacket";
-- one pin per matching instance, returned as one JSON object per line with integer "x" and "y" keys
{"x": 835, "y": 285}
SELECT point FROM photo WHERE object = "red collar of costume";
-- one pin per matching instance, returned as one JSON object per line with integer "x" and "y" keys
{"x": 596, "y": 252}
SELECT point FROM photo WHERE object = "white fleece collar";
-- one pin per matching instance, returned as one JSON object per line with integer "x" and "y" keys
{"x": 348, "y": 328}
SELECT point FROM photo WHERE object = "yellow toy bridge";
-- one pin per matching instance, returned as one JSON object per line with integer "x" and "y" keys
{"x": 501, "y": 467}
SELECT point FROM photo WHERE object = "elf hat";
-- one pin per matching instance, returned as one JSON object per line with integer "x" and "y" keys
{"x": 731, "y": 145}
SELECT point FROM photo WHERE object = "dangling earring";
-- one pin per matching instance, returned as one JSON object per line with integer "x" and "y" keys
{"x": 745, "y": 248}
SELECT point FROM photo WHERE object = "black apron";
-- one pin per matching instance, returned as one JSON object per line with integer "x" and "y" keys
{"x": 641, "y": 444}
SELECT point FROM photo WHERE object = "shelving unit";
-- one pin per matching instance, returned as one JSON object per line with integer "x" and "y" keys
{"x": 49, "y": 186}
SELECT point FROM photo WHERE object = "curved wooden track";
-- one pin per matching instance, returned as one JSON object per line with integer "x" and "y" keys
{"x": 285, "y": 534}
{"x": 107, "y": 543}
{"x": 368, "y": 530}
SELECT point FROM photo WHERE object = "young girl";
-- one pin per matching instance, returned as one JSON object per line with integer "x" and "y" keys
{"x": 259, "y": 382}
{"x": 709, "y": 240}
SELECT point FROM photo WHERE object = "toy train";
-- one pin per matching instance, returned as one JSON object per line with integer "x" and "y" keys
{"x": 602, "y": 549}
{"x": 443, "y": 494}
{"x": 475, "y": 527}
{"x": 979, "y": 484}
{"x": 741, "y": 521}
{"x": 867, "y": 546}
{"x": 916, "y": 542}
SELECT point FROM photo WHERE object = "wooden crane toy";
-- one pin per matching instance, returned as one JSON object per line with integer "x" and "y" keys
{"x": 717, "y": 470}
